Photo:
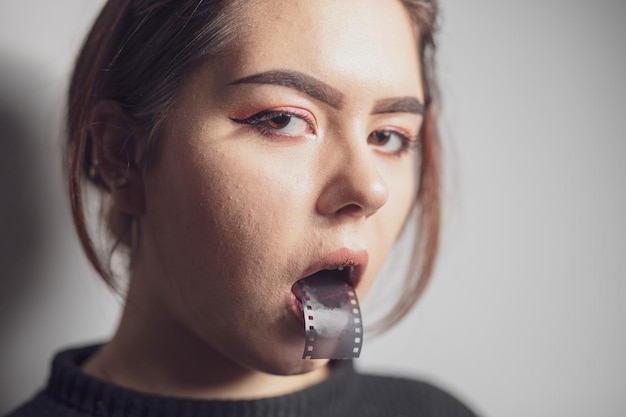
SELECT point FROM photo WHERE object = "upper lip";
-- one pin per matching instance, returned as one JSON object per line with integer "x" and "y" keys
{"x": 355, "y": 259}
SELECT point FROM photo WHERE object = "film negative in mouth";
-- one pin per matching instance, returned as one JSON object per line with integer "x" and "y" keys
{"x": 332, "y": 318}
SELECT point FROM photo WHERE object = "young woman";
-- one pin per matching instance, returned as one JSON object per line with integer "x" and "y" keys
{"x": 250, "y": 155}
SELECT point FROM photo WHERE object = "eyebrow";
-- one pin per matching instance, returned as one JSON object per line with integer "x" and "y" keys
{"x": 298, "y": 81}
{"x": 321, "y": 91}
{"x": 399, "y": 105}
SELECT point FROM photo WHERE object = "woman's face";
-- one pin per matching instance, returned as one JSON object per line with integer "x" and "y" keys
{"x": 292, "y": 152}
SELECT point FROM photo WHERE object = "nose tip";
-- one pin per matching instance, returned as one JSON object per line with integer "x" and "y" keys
{"x": 357, "y": 189}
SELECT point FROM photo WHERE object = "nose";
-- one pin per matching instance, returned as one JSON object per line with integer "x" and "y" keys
{"x": 354, "y": 186}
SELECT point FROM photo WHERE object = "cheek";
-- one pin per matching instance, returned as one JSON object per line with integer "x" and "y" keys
{"x": 212, "y": 226}
{"x": 235, "y": 210}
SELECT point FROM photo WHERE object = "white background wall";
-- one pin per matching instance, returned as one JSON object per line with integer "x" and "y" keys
{"x": 526, "y": 314}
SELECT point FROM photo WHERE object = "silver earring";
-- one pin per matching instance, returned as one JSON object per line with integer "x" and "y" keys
{"x": 93, "y": 170}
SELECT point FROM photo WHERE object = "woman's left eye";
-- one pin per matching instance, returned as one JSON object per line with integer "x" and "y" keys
{"x": 274, "y": 122}
{"x": 390, "y": 141}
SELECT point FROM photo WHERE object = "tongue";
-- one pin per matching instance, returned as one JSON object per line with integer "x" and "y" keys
{"x": 332, "y": 317}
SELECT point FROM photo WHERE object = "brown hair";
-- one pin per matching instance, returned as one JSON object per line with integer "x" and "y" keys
{"x": 137, "y": 54}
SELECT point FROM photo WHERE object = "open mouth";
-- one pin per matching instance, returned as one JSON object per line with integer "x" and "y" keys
{"x": 326, "y": 303}
{"x": 339, "y": 269}
{"x": 340, "y": 273}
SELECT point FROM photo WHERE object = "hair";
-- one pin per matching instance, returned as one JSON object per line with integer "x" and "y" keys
{"x": 138, "y": 53}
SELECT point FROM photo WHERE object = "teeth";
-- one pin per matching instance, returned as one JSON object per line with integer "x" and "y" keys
{"x": 338, "y": 268}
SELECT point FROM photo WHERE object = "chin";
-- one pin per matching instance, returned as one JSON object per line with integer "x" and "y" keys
{"x": 288, "y": 364}
{"x": 297, "y": 368}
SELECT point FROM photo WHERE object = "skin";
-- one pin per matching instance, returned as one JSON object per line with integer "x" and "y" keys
{"x": 232, "y": 214}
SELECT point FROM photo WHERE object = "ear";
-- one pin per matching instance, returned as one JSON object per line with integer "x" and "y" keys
{"x": 116, "y": 156}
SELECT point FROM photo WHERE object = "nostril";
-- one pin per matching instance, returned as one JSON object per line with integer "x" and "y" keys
{"x": 354, "y": 184}
{"x": 370, "y": 194}
{"x": 350, "y": 209}
{"x": 354, "y": 192}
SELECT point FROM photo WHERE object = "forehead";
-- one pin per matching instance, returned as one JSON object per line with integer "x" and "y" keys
{"x": 347, "y": 43}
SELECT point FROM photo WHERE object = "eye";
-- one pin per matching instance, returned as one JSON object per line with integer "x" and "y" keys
{"x": 390, "y": 141}
{"x": 279, "y": 122}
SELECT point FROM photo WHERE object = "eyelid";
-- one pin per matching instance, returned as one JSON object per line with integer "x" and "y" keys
{"x": 406, "y": 122}
{"x": 255, "y": 120}
{"x": 410, "y": 142}
{"x": 403, "y": 132}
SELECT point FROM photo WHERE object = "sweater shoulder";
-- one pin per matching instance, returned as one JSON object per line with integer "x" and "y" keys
{"x": 43, "y": 406}
{"x": 409, "y": 397}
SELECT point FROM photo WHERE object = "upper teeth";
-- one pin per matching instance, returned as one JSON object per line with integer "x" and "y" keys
{"x": 337, "y": 268}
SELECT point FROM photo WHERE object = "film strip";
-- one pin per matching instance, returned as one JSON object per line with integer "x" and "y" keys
{"x": 332, "y": 319}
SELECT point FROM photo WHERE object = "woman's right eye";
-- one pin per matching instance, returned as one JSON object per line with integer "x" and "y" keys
{"x": 279, "y": 122}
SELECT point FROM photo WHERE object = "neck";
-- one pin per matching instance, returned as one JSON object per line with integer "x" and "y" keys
{"x": 152, "y": 352}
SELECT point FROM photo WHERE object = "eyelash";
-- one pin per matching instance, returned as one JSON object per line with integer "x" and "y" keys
{"x": 259, "y": 122}
{"x": 409, "y": 143}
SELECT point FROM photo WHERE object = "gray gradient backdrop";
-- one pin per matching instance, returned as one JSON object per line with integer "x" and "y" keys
{"x": 526, "y": 313}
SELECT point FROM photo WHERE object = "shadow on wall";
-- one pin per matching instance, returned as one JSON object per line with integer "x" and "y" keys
{"x": 23, "y": 215}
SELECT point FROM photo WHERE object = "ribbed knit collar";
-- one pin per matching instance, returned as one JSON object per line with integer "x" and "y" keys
{"x": 81, "y": 392}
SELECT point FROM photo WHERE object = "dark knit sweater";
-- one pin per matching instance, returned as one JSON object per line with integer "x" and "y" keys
{"x": 71, "y": 393}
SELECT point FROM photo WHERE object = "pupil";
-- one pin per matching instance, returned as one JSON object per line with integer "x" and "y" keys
{"x": 381, "y": 138}
{"x": 279, "y": 122}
